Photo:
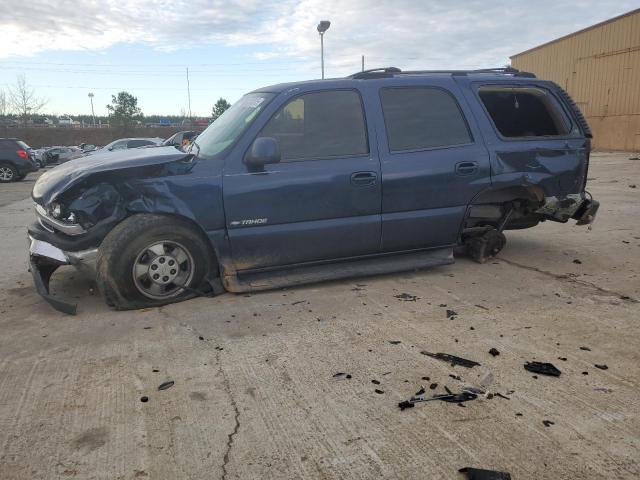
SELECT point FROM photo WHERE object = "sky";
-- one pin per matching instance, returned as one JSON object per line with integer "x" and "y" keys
{"x": 67, "y": 49}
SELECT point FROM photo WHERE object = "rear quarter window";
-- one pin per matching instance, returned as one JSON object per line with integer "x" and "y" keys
{"x": 519, "y": 112}
{"x": 421, "y": 118}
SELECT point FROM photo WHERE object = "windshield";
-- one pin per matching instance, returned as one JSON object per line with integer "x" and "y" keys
{"x": 228, "y": 127}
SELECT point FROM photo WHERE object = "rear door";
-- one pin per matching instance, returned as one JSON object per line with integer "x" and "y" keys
{"x": 433, "y": 163}
{"x": 322, "y": 201}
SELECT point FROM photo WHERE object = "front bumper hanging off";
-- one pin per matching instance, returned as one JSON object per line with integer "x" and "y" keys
{"x": 45, "y": 258}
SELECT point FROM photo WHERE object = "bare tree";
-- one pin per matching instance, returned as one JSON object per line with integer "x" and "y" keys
{"x": 3, "y": 103}
{"x": 23, "y": 99}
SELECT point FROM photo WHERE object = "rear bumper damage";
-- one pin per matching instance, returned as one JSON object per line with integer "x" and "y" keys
{"x": 45, "y": 259}
{"x": 575, "y": 206}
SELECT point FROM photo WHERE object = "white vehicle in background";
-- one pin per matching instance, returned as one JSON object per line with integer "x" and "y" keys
{"x": 65, "y": 121}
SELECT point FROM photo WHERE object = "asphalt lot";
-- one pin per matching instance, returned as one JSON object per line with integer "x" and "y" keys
{"x": 255, "y": 394}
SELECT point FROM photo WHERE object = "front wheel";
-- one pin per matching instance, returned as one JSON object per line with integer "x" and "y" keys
{"x": 152, "y": 260}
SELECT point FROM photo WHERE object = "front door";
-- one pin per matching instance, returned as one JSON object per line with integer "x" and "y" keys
{"x": 433, "y": 163}
{"x": 322, "y": 201}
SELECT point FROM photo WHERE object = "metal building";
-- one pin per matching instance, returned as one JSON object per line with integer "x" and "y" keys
{"x": 600, "y": 68}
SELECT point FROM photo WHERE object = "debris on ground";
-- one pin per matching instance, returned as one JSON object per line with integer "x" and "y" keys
{"x": 586, "y": 349}
{"x": 601, "y": 366}
{"x": 542, "y": 368}
{"x": 451, "y": 314}
{"x": 144, "y": 399}
{"x": 455, "y": 377}
{"x": 603, "y": 389}
{"x": 406, "y": 297}
{"x": 548, "y": 423}
{"x": 433, "y": 386}
{"x": 494, "y": 352}
{"x": 633, "y": 185}
{"x": 450, "y": 397}
{"x": 564, "y": 359}
{"x": 481, "y": 474}
{"x": 342, "y": 375}
{"x": 395, "y": 342}
{"x": 577, "y": 261}
{"x": 375, "y": 382}
{"x": 452, "y": 359}
{"x": 378, "y": 391}
{"x": 166, "y": 385}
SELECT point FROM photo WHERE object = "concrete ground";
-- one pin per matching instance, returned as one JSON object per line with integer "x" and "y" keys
{"x": 255, "y": 394}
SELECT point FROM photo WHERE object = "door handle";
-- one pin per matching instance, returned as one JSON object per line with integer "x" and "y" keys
{"x": 466, "y": 168}
{"x": 364, "y": 178}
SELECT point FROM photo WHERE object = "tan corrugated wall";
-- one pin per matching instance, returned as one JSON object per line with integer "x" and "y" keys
{"x": 600, "y": 68}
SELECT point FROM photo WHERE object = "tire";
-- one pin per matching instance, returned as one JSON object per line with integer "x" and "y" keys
{"x": 181, "y": 257}
{"x": 8, "y": 173}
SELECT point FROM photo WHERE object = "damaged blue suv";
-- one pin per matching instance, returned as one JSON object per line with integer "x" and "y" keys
{"x": 382, "y": 171}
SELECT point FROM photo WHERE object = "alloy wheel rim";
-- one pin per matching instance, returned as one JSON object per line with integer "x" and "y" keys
{"x": 6, "y": 173}
{"x": 162, "y": 269}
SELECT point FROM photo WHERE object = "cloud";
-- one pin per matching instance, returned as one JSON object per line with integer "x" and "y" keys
{"x": 406, "y": 33}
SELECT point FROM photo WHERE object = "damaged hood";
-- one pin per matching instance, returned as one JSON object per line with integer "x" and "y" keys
{"x": 64, "y": 176}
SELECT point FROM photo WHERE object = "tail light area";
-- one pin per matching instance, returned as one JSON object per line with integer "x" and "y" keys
{"x": 22, "y": 154}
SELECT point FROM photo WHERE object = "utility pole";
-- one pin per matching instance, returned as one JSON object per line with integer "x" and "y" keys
{"x": 189, "y": 96}
{"x": 92, "y": 113}
{"x": 363, "y": 63}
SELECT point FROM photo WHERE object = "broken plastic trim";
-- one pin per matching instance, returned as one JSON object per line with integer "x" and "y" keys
{"x": 41, "y": 273}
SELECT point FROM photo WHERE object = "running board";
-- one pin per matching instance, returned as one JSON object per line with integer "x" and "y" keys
{"x": 266, "y": 280}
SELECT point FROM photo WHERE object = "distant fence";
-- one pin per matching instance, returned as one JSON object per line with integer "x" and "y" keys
{"x": 42, "y": 137}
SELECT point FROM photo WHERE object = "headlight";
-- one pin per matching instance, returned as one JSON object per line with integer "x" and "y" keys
{"x": 55, "y": 209}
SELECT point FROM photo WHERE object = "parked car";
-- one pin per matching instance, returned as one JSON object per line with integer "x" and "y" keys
{"x": 286, "y": 187}
{"x": 126, "y": 143}
{"x": 38, "y": 154}
{"x": 87, "y": 147}
{"x": 180, "y": 139}
{"x": 15, "y": 160}
{"x": 61, "y": 154}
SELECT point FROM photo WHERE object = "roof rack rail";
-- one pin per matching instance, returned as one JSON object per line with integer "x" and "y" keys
{"x": 392, "y": 71}
{"x": 376, "y": 72}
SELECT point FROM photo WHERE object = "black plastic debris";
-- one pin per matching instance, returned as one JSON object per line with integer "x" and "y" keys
{"x": 585, "y": 373}
{"x": 448, "y": 397}
{"x": 494, "y": 352}
{"x": 378, "y": 391}
{"x": 342, "y": 375}
{"x": 375, "y": 382}
{"x": 144, "y": 399}
{"x": 548, "y": 423}
{"x": 577, "y": 261}
{"x": 587, "y": 349}
{"x": 166, "y": 385}
{"x": 564, "y": 359}
{"x": 481, "y": 474}
{"x": 433, "y": 386}
{"x": 426, "y": 378}
{"x": 200, "y": 337}
{"x": 451, "y": 314}
{"x": 501, "y": 396}
{"x": 395, "y": 342}
{"x": 601, "y": 366}
{"x": 455, "y": 377}
{"x": 406, "y": 297}
{"x": 542, "y": 368}
{"x": 452, "y": 359}
{"x": 419, "y": 392}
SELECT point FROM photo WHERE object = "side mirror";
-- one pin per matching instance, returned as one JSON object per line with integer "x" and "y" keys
{"x": 263, "y": 151}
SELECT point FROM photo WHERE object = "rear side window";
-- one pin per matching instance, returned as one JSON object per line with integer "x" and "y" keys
{"x": 524, "y": 111}
{"x": 320, "y": 125}
{"x": 138, "y": 143}
{"x": 420, "y": 118}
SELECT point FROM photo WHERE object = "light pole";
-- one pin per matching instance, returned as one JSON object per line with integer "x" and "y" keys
{"x": 323, "y": 26}
{"x": 92, "y": 114}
